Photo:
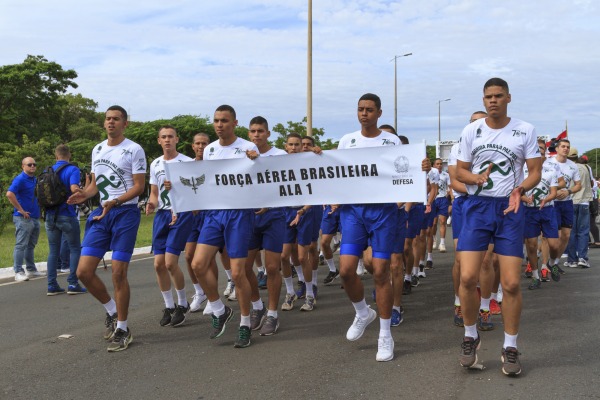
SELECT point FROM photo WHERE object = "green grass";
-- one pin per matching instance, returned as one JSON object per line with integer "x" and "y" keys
{"x": 7, "y": 241}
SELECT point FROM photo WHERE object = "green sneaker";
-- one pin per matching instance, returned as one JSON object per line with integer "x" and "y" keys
{"x": 121, "y": 340}
{"x": 244, "y": 335}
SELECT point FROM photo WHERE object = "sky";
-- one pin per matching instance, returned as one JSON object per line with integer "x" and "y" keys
{"x": 161, "y": 59}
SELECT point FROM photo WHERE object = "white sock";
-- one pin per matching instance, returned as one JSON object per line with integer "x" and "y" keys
{"x": 510, "y": 340}
{"x": 257, "y": 305}
{"x": 384, "y": 327}
{"x": 407, "y": 277}
{"x": 429, "y": 257}
{"x": 261, "y": 269}
{"x": 330, "y": 264}
{"x": 362, "y": 310}
{"x": 181, "y": 299}
{"x": 421, "y": 262}
{"x": 415, "y": 270}
{"x": 217, "y": 307}
{"x": 397, "y": 308}
{"x": 471, "y": 331}
{"x": 110, "y": 307}
{"x": 456, "y": 300}
{"x": 245, "y": 320}
{"x": 123, "y": 325}
{"x": 309, "y": 290}
{"x": 289, "y": 284}
{"x": 484, "y": 304}
{"x": 314, "y": 277}
{"x": 494, "y": 296}
{"x": 300, "y": 273}
{"x": 168, "y": 297}
{"x": 272, "y": 313}
{"x": 228, "y": 272}
{"x": 443, "y": 241}
{"x": 198, "y": 289}
{"x": 536, "y": 274}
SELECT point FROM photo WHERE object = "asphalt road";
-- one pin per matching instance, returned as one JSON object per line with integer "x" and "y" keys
{"x": 309, "y": 358}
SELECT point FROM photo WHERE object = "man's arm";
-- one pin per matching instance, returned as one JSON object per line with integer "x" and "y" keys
{"x": 152, "y": 200}
{"x": 534, "y": 166}
{"x": 80, "y": 195}
{"x": 13, "y": 200}
{"x": 454, "y": 183}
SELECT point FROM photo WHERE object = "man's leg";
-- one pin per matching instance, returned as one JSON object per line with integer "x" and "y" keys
{"x": 32, "y": 242}
{"x": 486, "y": 283}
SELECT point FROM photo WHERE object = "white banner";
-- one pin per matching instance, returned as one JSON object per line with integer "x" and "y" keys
{"x": 366, "y": 175}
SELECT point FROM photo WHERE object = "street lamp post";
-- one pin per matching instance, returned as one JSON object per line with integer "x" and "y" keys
{"x": 395, "y": 59}
{"x": 440, "y": 119}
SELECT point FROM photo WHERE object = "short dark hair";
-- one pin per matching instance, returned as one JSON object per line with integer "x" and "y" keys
{"x": 373, "y": 97}
{"x": 403, "y": 139}
{"x": 386, "y": 126}
{"x": 496, "y": 82}
{"x": 258, "y": 120}
{"x": 201, "y": 134}
{"x": 438, "y": 159}
{"x": 225, "y": 107}
{"x": 312, "y": 140}
{"x": 120, "y": 109}
{"x": 563, "y": 140}
{"x": 293, "y": 135}
{"x": 167, "y": 126}
{"x": 62, "y": 151}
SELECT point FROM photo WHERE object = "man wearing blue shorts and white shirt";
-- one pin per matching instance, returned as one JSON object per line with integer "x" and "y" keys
{"x": 441, "y": 206}
{"x": 118, "y": 174}
{"x": 490, "y": 163}
{"x": 169, "y": 231}
{"x": 230, "y": 228}
{"x": 369, "y": 224}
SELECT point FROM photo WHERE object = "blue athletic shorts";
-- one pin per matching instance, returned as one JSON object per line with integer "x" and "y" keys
{"x": 330, "y": 224}
{"x": 228, "y": 228}
{"x": 457, "y": 215}
{"x": 401, "y": 231}
{"x": 269, "y": 230}
{"x": 483, "y": 219}
{"x": 170, "y": 238}
{"x": 303, "y": 231}
{"x": 117, "y": 231}
{"x": 369, "y": 224}
{"x": 416, "y": 220}
{"x": 317, "y": 218}
{"x": 564, "y": 213}
{"x": 441, "y": 206}
{"x": 197, "y": 223}
{"x": 540, "y": 221}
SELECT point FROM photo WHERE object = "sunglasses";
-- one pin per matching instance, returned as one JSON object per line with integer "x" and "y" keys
{"x": 31, "y": 165}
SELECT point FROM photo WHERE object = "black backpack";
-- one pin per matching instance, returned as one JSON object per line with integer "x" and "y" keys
{"x": 49, "y": 189}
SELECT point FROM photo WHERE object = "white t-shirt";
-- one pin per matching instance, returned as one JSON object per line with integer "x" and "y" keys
{"x": 273, "y": 151}
{"x": 157, "y": 178}
{"x": 569, "y": 172}
{"x": 506, "y": 148}
{"x": 452, "y": 162}
{"x": 237, "y": 149}
{"x": 114, "y": 167}
{"x": 434, "y": 178}
{"x": 357, "y": 140}
{"x": 549, "y": 179}
{"x": 444, "y": 184}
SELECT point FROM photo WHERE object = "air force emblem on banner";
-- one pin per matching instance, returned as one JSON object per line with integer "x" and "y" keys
{"x": 194, "y": 182}
{"x": 401, "y": 164}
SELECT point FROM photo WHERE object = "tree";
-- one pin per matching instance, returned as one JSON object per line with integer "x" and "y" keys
{"x": 300, "y": 129}
{"x": 30, "y": 101}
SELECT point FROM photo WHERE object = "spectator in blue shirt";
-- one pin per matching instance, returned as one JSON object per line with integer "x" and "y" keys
{"x": 26, "y": 217}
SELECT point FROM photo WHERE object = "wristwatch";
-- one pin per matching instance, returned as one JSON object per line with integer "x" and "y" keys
{"x": 117, "y": 202}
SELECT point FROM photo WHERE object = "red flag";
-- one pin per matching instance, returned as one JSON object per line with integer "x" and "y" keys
{"x": 563, "y": 135}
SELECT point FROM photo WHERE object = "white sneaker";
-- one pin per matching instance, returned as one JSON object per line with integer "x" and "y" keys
{"x": 230, "y": 288}
{"x": 385, "y": 349}
{"x": 357, "y": 328}
{"x": 421, "y": 274}
{"x": 35, "y": 274}
{"x": 64, "y": 271}
{"x": 573, "y": 265}
{"x": 435, "y": 245}
{"x": 207, "y": 309}
{"x": 21, "y": 277}
{"x": 232, "y": 296}
{"x": 197, "y": 300}
{"x": 449, "y": 221}
{"x": 583, "y": 263}
{"x": 442, "y": 248}
{"x": 360, "y": 270}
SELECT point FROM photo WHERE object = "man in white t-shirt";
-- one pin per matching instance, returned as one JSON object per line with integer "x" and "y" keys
{"x": 490, "y": 163}
{"x": 440, "y": 208}
{"x": 118, "y": 175}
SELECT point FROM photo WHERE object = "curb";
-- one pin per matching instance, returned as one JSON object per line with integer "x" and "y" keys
{"x": 9, "y": 272}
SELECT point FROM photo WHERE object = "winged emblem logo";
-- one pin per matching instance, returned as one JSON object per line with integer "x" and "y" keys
{"x": 193, "y": 182}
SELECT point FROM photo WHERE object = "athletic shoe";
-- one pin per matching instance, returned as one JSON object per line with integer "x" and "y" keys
{"x": 230, "y": 288}
{"x": 178, "y": 317}
{"x": 468, "y": 351}
{"x": 53, "y": 290}
{"x": 121, "y": 340}
{"x": 573, "y": 265}
{"x": 442, "y": 248}
{"x": 111, "y": 325}
{"x": 166, "y": 318}
{"x": 583, "y": 263}
{"x": 331, "y": 276}
{"x": 385, "y": 349}
{"x": 434, "y": 245}
{"x": 76, "y": 289}
{"x": 64, "y": 271}
{"x": 257, "y": 318}
{"x": 406, "y": 287}
{"x": 535, "y": 284}
{"x": 21, "y": 277}
{"x": 244, "y": 335}
{"x": 544, "y": 275}
{"x": 449, "y": 221}
{"x": 35, "y": 274}
{"x": 484, "y": 321}
{"x": 495, "y": 308}
{"x": 232, "y": 296}
{"x": 528, "y": 271}
{"x": 396, "y": 317}
{"x": 309, "y": 304}
{"x": 555, "y": 273}
{"x": 321, "y": 259}
{"x": 357, "y": 328}
{"x": 262, "y": 280}
{"x": 270, "y": 326}
{"x": 414, "y": 280}
{"x": 562, "y": 272}
{"x": 301, "y": 291}
{"x": 421, "y": 274}
{"x": 197, "y": 301}
{"x": 511, "y": 365}
{"x": 360, "y": 269}
{"x": 288, "y": 302}
{"x": 458, "y": 317}
{"x": 220, "y": 323}
{"x": 429, "y": 264}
